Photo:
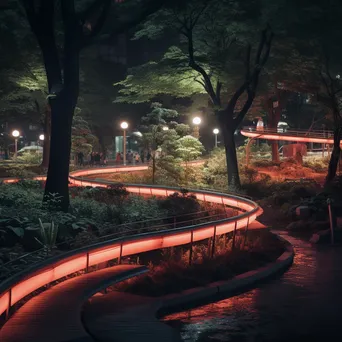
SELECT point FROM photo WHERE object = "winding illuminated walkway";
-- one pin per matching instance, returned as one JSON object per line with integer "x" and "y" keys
{"x": 320, "y": 137}
{"x": 26, "y": 282}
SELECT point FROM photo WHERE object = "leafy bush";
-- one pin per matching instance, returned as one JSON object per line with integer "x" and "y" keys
{"x": 262, "y": 148}
{"x": 264, "y": 163}
{"x": 316, "y": 163}
{"x": 249, "y": 174}
{"x": 47, "y": 235}
{"x": 33, "y": 157}
{"x": 22, "y": 173}
{"x": 137, "y": 208}
{"x": 185, "y": 206}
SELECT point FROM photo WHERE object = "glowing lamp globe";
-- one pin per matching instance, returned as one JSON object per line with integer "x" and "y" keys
{"x": 165, "y": 128}
{"x": 196, "y": 120}
{"x": 124, "y": 125}
{"x": 15, "y": 133}
{"x": 216, "y": 131}
{"x": 41, "y": 137}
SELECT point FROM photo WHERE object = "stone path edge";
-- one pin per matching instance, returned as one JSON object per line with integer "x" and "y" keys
{"x": 192, "y": 297}
{"x": 240, "y": 282}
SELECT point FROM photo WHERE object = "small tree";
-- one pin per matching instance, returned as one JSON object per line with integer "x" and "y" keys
{"x": 218, "y": 54}
{"x": 189, "y": 148}
{"x": 160, "y": 136}
{"x": 82, "y": 139}
{"x": 80, "y": 22}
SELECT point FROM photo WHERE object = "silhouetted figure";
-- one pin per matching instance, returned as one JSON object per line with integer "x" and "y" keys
{"x": 118, "y": 158}
{"x": 80, "y": 157}
{"x": 92, "y": 158}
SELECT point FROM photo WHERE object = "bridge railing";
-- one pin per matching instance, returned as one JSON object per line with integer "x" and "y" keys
{"x": 26, "y": 281}
{"x": 16, "y": 265}
{"x": 291, "y": 132}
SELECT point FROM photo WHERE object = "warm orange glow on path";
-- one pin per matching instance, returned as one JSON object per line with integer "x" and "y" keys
{"x": 13, "y": 290}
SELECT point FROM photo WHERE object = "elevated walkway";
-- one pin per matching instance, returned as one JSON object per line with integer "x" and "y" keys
{"x": 55, "y": 315}
{"x": 320, "y": 137}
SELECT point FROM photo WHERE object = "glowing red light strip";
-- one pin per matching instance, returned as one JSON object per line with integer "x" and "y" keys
{"x": 138, "y": 244}
{"x": 274, "y": 136}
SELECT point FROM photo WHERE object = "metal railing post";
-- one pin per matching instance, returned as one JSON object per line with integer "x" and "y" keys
{"x": 120, "y": 255}
{"x": 213, "y": 243}
{"x": 191, "y": 245}
{"x": 234, "y": 235}
{"x": 9, "y": 304}
{"x": 332, "y": 221}
{"x": 87, "y": 264}
{"x": 245, "y": 237}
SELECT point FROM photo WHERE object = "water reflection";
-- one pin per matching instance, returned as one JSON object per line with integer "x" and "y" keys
{"x": 303, "y": 303}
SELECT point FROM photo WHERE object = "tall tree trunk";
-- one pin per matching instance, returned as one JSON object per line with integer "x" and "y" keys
{"x": 57, "y": 183}
{"x": 335, "y": 156}
{"x": 275, "y": 151}
{"x": 273, "y": 118}
{"x": 228, "y": 130}
{"x": 47, "y": 137}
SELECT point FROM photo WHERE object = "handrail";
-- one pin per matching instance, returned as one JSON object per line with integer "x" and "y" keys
{"x": 11, "y": 267}
{"x": 320, "y": 137}
{"x": 25, "y": 282}
{"x": 286, "y": 131}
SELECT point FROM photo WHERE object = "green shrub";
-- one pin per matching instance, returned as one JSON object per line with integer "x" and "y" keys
{"x": 184, "y": 206}
{"x": 317, "y": 164}
{"x": 249, "y": 174}
{"x": 30, "y": 157}
{"x": 137, "y": 208}
{"x": 264, "y": 163}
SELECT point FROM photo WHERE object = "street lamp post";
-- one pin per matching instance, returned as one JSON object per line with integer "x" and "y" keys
{"x": 15, "y": 134}
{"x": 124, "y": 126}
{"x": 216, "y": 132}
{"x": 41, "y": 139}
{"x": 196, "y": 121}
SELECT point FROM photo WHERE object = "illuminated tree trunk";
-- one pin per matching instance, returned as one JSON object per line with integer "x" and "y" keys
{"x": 227, "y": 128}
{"x": 62, "y": 111}
{"x": 47, "y": 137}
{"x": 274, "y": 118}
{"x": 335, "y": 156}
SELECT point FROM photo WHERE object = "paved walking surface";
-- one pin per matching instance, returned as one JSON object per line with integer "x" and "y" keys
{"x": 124, "y": 317}
{"x": 55, "y": 315}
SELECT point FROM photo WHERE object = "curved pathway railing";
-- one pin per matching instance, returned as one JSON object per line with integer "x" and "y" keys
{"x": 25, "y": 282}
{"x": 321, "y": 137}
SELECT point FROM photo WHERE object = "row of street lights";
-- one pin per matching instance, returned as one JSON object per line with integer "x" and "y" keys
{"x": 124, "y": 125}
{"x": 197, "y": 121}
{"x": 15, "y": 135}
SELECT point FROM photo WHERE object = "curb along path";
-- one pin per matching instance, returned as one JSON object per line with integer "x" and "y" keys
{"x": 22, "y": 284}
{"x": 107, "y": 322}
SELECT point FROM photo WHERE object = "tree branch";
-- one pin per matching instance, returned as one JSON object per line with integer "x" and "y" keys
{"x": 97, "y": 27}
{"x": 192, "y": 64}
{"x": 42, "y": 25}
{"x": 251, "y": 80}
{"x": 148, "y": 8}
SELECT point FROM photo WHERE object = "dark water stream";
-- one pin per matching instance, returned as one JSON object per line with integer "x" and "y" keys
{"x": 304, "y": 304}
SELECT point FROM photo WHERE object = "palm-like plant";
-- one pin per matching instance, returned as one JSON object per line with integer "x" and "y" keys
{"x": 48, "y": 235}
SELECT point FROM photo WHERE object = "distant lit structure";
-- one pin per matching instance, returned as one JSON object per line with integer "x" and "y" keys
{"x": 216, "y": 132}
{"x": 16, "y": 135}
{"x": 196, "y": 121}
{"x": 124, "y": 126}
